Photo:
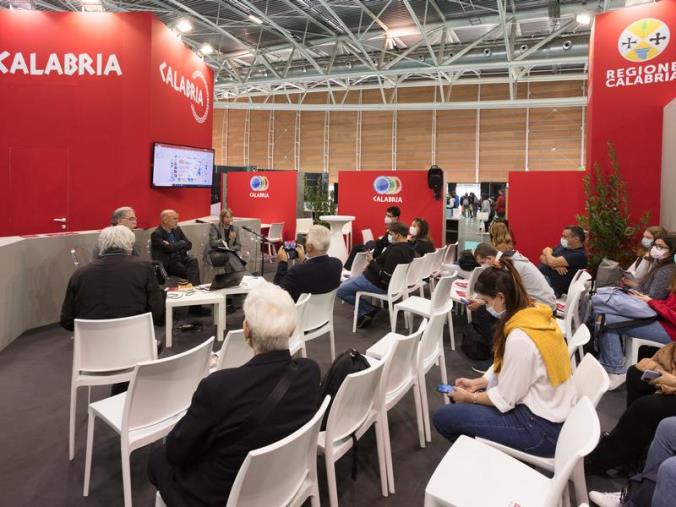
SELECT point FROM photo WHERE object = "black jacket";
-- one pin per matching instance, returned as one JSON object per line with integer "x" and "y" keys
{"x": 318, "y": 275}
{"x": 110, "y": 287}
{"x": 379, "y": 271}
{"x": 205, "y": 461}
{"x": 165, "y": 252}
{"x": 422, "y": 246}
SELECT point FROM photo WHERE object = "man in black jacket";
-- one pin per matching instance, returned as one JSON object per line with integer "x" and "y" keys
{"x": 316, "y": 273}
{"x": 170, "y": 246}
{"x": 203, "y": 453}
{"x": 392, "y": 215}
{"x": 376, "y": 277}
{"x": 114, "y": 285}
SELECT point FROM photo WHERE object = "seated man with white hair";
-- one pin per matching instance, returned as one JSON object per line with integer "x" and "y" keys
{"x": 239, "y": 409}
{"x": 316, "y": 273}
{"x": 114, "y": 285}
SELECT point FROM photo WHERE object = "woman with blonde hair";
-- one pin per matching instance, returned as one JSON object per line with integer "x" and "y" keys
{"x": 224, "y": 243}
{"x": 501, "y": 237}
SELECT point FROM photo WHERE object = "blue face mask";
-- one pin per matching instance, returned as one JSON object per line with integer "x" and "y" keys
{"x": 646, "y": 243}
{"x": 494, "y": 312}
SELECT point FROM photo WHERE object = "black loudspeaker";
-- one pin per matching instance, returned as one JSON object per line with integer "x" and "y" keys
{"x": 435, "y": 180}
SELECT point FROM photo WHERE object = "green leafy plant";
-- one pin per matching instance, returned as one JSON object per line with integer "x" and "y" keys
{"x": 607, "y": 219}
{"x": 319, "y": 200}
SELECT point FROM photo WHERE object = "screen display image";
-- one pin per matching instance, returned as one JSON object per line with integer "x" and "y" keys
{"x": 182, "y": 166}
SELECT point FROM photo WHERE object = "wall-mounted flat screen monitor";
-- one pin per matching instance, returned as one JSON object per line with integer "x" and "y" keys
{"x": 182, "y": 166}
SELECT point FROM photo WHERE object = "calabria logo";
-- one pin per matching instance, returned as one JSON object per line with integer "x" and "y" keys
{"x": 387, "y": 187}
{"x": 643, "y": 40}
{"x": 259, "y": 183}
{"x": 195, "y": 89}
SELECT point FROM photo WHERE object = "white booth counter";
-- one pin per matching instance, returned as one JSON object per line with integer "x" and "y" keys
{"x": 36, "y": 270}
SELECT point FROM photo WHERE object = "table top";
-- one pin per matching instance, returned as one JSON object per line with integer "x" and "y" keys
{"x": 247, "y": 285}
{"x": 197, "y": 297}
{"x": 337, "y": 218}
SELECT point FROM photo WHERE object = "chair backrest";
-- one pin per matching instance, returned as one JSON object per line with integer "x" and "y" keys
{"x": 441, "y": 296}
{"x": 579, "y": 436}
{"x": 275, "y": 231}
{"x": 431, "y": 343}
{"x": 113, "y": 344}
{"x": 235, "y": 351}
{"x": 472, "y": 280}
{"x": 319, "y": 310}
{"x": 428, "y": 265}
{"x": 580, "y": 337}
{"x": 572, "y": 317}
{"x": 439, "y": 258}
{"x": 359, "y": 264}
{"x": 354, "y": 401}
{"x": 347, "y": 227}
{"x": 163, "y": 388}
{"x": 591, "y": 379}
{"x": 367, "y": 235}
{"x": 581, "y": 275}
{"x": 398, "y": 281}
{"x": 451, "y": 253}
{"x": 482, "y": 215}
{"x": 400, "y": 361}
{"x": 303, "y": 225}
{"x": 296, "y": 454}
{"x": 296, "y": 340}
{"x": 415, "y": 272}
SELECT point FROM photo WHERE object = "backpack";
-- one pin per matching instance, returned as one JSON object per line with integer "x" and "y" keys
{"x": 350, "y": 361}
{"x": 466, "y": 261}
{"x": 608, "y": 273}
{"x": 477, "y": 345}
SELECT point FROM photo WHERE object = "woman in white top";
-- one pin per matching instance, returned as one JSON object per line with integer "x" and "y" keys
{"x": 524, "y": 400}
{"x": 641, "y": 266}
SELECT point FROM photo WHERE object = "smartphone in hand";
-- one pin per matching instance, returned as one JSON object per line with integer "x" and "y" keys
{"x": 445, "y": 388}
{"x": 649, "y": 375}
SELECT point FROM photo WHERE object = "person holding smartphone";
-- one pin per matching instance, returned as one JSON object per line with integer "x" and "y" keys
{"x": 524, "y": 399}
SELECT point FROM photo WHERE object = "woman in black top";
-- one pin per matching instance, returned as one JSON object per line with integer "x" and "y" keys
{"x": 419, "y": 237}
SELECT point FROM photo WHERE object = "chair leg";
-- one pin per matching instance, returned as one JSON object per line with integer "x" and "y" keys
{"x": 88, "y": 453}
{"x": 331, "y": 479}
{"x": 442, "y": 371}
{"x": 314, "y": 498}
{"x": 419, "y": 414}
{"x": 381, "y": 449}
{"x": 388, "y": 450}
{"x": 580, "y": 483}
{"x": 451, "y": 333}
{"x": 333, "y": 342}
{"x": 422, "y": 386}
{"x": 393, "y": 323}
{"x": 354, "y": 318}
{"x": 126, "y": 473}
{"x": 71, "y": 423}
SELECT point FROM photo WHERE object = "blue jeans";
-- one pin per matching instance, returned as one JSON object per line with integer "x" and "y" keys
{"x": 519, "y": 428}
{"x": 610, "y": 346}
{"x": 662, "y": 456}
{"x": 348, "y": 293}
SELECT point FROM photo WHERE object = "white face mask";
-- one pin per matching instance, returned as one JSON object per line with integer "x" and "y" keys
{"x": 390, "y": 238}
{"x": 658, "y": 254}
{"x": 494, "y": 312}
{"x": 646, "y": 243}
{"x": 564, "y": 242}
{"x": 388, "y": 220}
{"x": 413, "y": 231}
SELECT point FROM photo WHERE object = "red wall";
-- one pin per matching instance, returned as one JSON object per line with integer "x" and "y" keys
{"x": 79, "y": 146}
{"x": 359, "y": 198}
{"x": 268, "y": 195}
{"x": 630, "y": 116}
{"x": 539, "y": 205}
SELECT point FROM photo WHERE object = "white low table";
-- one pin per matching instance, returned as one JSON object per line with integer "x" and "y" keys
{"x": 246, "y": 285}
{"x": 337, "y": 222}
{"x": 198, "y": 297}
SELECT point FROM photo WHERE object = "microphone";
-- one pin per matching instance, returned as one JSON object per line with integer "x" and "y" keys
{"x": 197, "y": 220}
{"x": 248, "y": 229}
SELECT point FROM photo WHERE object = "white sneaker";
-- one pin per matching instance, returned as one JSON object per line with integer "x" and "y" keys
{"x": 616, "y": 380}
{"x": 606, "y": 499}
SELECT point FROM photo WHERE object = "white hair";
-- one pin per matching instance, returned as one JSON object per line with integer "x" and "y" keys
{"x": 271, "y": 317}
{"x": 116, "y": 237}
{"x": 320, "y": 237}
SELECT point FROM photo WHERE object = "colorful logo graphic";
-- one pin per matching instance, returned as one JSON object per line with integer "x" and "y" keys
{"x": 259, "y": 183}
{"x": 389, "y": 185}
{"x": 643, "y": 40}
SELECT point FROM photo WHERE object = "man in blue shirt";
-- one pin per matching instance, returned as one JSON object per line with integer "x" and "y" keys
{"x": 560, "y": 264}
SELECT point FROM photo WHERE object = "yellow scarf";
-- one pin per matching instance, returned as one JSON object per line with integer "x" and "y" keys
{"x": 538, "y": 324}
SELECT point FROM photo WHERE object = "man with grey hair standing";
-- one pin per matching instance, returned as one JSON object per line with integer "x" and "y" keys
{"x": 114, "y": 285}
{"x": 316, "y": 272}
{"x": 239, "y": 409}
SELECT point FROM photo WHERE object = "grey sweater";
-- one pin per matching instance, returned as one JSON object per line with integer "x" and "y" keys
{"x": 656, "y": 283}
{"x": 534, "y": 281}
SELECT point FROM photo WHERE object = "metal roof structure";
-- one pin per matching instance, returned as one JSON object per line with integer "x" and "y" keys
{"x": 266, "y": 48}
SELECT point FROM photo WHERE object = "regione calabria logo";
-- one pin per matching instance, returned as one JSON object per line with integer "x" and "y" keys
{"x": 259, "y": 186}
{"x": 643, "y": 40}
{"x": 387, "y": 188}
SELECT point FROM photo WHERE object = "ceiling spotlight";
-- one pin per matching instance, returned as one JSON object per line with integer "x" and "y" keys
{"x": 206, "y": 49}
{"x": 255, "y": 19}
{"x": 523, "y": 47}
{"x": 304, "y": 69}
{"x": 583, "y": 18}
{"x": 349, "y": 65}
{"x": 91, "y": 5}
{"x": 184, "y": 25}
{"x": 421, "y": 58}
{"x": 488, "y": 52}
{"x": 567, "y": 45}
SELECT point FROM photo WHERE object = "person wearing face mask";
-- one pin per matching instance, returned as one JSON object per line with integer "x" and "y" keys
{"x": 656, "y": 282}
{"x": 560, "y": 264}
{"x": 524, "y": 400}
{"x": 419, "y": 237}
{"x": 376, "y": 276}
{"x": 392, "y": 215}
{"x": 641, "y": 266}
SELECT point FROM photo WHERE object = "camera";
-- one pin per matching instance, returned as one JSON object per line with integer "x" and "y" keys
{"x": 290, "y": 249}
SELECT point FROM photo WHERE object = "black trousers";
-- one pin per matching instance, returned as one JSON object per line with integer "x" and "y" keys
{"x": 185, "y": 267}
{"x": 161, "y": 475}
{"x": 629, "y": 441}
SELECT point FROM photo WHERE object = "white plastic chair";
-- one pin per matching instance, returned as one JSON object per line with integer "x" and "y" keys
{"x": 274, "y": 236}
{"x": 354, "y": 410}
{"x": 303, "y": 225}
{"x": 571, "y": 317}
{"x": 579, "y": 339}
{"x": 366, "y": 235}
{"x": 296, "y": 342}
{"x": 591, "y": 382}
{"x": 582, "y": 276}
{"x": 234, "y": 352}
{"x": 436, "y": 265}
{"x": 483, "y": 216}
{"x": 473, "y": 473}
{"x": 395, "y": 291}
{"x": 633, "y": 344}
{"x": 105, "y": 352}
{"x": 414, "y": 277}
{"x": 296, "y": 455}
{"x": 347, "y": 235}
{"x": 450, "y": 256}
{"x": 440, "y": 304}
{"x": 359, "y": 264}
{"x": 318, "y": 318}
{"x": 158, "y": 396}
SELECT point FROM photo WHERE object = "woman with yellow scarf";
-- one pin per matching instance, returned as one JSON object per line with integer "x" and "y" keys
{"x": 523, "y": 400}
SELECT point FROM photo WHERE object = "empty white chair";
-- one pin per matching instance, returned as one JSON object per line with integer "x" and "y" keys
{"x": 318, "y": 318}
{"x": 158, "y": 396}
{"x": 591, "y": 381}
{"x": 414, "y": 277}
{"x": 359, "y": 264}
{"x": 105, "y": 352}
{"x": 440, "y": 304}
{"x": 234, "y": 352}
{"x": 582, "y": 276}
{"x": 347, "y": 234}
{"x": 576, "y": 342}
{"x": 303, "y": 225}
{"x": 436, "y": 265}
{"x": 354, "y": 410}
{"x": 428, "y": 267}
{"x": 571, "y": 318}
{"x": 296, "y": 342}
{"x": 450, "y": 256}
{"x": 475, "y": 474}
{"x": 296, "y": 456}
{"x": 395, "y": 291}
{"x": 274, "y": 236}
{"x": 366, "y": 235}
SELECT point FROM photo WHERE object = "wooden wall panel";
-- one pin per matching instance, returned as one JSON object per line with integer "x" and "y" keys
{"x": 342, "y": 139}
{"x": 456, "y": 136}
{"x": 285, "y": 122}
{"x": 414, "y": 131}
{"x": 219, "y": 137}
{"x": 258, "y": 139}
{"x": 235, "y": 137}
{"x": 376, "y": 136}
{"x": 312, "y": 141}
{"x": 554, "y": 141}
